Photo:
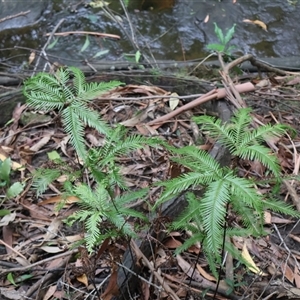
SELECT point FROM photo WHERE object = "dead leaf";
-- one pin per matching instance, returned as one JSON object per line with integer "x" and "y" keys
{"x": 112, "y": 287}
{"x": 205, "y": 274}
{"x": 174, "y": 101}
{"x": 50, "y": 292}
{"x": 288, "y": 273}
{"x": 172, "y": 243}
{"x": 251, "y": 264}
{"x": 31, "y": 57}
{"x": 83, "y": 279}
{"x": 257, "y": 22}
{"x": 297, "y": 276}
{"x": 206, "y": 19}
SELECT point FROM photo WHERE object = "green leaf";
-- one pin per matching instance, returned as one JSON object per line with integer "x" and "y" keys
{"x": 229, "y": 34}
{"x": 14, "y": 190}
{"x": 86, "y": 43}
{"x": 137, "y": 56}
{"x": 53, "y": 155}
{"x": 4, "y": 212}
{"x": 216, "y": 47}
{"x": 219, "y": 34}
{"x": 5, "y": 169}
{"x": 10, "y": 278}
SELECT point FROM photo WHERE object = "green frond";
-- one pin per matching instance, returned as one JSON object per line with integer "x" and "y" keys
{"x": 42, "y": 178}
{"x": 92, "y": 230}
{"x": 244, "y": 191}
{"x": 191, "y": 218}
{"x": 197, "y": 160}
{"x": 182, "y": 183}
{"x": 130, "y": 197}
{"x": 213, "y": 209}
{"x": 262, "y": 154}
{"x": 280, "y": 207}
{"x": 250, "y": 219}
{"x": 91, "y": 118}
{"x": 43, "y": 94}
{"x": 216, "y": 129}
{"x": 78, "y": 81}
{"x": 74, "y": 127}
{"x": 261, "y": 134}
{"x": 190, "y": 242}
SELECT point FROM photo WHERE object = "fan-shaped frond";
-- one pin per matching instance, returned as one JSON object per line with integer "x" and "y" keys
{"x": 249, "y": 218}
{"x": 213, "y": 209}
{"x": 216, "y": 129}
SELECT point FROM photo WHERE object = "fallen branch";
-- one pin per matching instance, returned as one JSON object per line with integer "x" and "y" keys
{"x": 214, "y": 94}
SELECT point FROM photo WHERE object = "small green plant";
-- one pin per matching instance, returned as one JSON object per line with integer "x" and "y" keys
{"x": 223, "y": 45}
{"x": 220, "y": 188}
{"x": 68, "y": 92}
{"x": 9, "y": 190}
{"x": 105, "y": 216}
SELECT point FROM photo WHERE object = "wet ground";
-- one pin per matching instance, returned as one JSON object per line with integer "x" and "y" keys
{"x": 169, "y": 30}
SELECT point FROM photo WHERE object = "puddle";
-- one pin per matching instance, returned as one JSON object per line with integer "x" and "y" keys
{"x": 164, "y": 30}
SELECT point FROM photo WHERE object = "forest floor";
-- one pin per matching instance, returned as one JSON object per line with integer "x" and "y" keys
{"x": 38, "y": 259}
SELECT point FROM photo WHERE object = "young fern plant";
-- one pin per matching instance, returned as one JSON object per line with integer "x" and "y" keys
{"x": 105, "y": 216}
{"x": 221, "y": 187}
{"x": 103, "y": 162}
{"x": 68, "y": 92}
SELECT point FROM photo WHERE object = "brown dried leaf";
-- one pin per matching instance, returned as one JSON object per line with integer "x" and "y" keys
{"x": 257, "y": 22}
{"x": 205, "y": 274}
{"x": 288, "y": 273}
{"x": 297, "y": 276}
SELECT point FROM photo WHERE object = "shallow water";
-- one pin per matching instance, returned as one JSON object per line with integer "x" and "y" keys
{"x": 170, "y": 32}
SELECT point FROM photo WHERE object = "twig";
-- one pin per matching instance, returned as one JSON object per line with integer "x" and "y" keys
{"x": 25, "y": 268}
{"x": 66, "y": 33}
{"x": 214, "y": 94}
{"x": 154, "y": 272}
{"x": 149, "y": 97}
{"x": 22, "y": 13}
{"x": 45, "y": 46}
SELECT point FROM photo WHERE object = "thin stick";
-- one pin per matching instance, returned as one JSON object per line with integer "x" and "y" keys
{"x": 22, "y": 13}
{"x": 45, "y": 46}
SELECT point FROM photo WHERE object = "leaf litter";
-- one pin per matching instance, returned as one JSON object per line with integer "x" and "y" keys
{"x": 35, "y": 242}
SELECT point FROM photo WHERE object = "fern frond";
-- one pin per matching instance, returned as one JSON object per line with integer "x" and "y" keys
{"x": 91, "y": 118}
{"x": 216, "y": 129}
{"x": 262, "y": 154}
{"x": 182, "y": 183}
{"x": 213, "y": 210}
{"x": 244, "y": 191}
{"x": 250, "y": 219}
{"x": 198, "y": 237}
{"x": 197, "y": 160}
{"x": 75, "y": 129}
{"x": 42, "y": 178}
{"x": 261, "y": 134}
{"x": 280, "y": 207}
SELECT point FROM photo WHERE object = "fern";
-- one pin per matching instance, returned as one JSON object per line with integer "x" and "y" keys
{"x": 97, "y": 208}
{"x": 68, "y": 92}
{"x": 102, "y": 162}
{"x": 221, "y": 187}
